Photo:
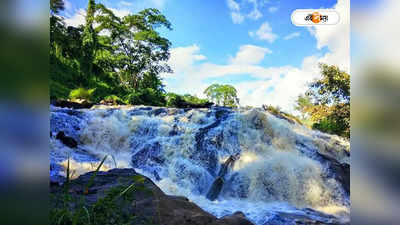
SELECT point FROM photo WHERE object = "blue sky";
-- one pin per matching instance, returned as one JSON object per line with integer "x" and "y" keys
{"x": 250, "y": 44}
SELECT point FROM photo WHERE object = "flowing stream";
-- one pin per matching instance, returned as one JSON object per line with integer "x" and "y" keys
{"x": 278, "y": 169}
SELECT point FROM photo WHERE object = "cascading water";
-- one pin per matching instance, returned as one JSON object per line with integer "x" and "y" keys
{"x": 279, "y": 166}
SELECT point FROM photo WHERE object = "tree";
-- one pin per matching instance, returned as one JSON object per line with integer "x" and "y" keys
{"x": 89, "y": 40}
{"x": 225, "y": 95}
{"x": 56, "y": 6}
{"x": 140, "y": 53}
{"x": 327, "y": 101}
{"x": 115, "y": 56}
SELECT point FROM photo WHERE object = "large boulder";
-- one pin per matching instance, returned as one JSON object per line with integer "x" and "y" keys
{"x": 149, "y": 205}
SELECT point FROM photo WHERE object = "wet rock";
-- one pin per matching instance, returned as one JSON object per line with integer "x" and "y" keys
{"x": 149, "y": 155}
{"x": 68, "y": 141}
{"x": 149, "y": 204}
{"x": 304, "y": 217}
{"x": 159, "y": 111}
{"x": 70, "y": 104}
{"x": 67, "y": 121}
{"x": 340, "y": 171}
{"x": 215, "y": 189}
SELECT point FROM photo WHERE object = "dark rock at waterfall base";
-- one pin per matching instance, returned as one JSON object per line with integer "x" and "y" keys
{"x": 70, "y": 104}
{"x": 305, "y": 217}
{"x": 149, "y": 204}
{"x": 68, "y": 141}
{"x": 340, "y": 171}
{"x": 215, "y": 189}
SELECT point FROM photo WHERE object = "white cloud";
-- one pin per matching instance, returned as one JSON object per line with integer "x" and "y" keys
{"x": 292, "y": 35}
{"x": 238, "y": 14}
{"x": 287, "y": 81}
{"x": 264, "y": 33}
{"x": 272, "y": 9}
{"x": 255, "y": 14}
{"x": 124, "y": 3}
{"x": 232, "y": 5}
{"x": 77, "y": 19}
{"x": 120, "y": 12}
{"x": 336, "y": 37}
{"x": 183, "y": 58}
{"x": 250, "y": 54}
{"x": 67, "y": 5}
{"x": 237, "y": 18}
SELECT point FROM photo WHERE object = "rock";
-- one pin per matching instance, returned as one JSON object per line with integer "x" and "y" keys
{"x": 340, "y": 171}
{"x": 215, "y": 189}
{"x": 68, "y": 141}
{"x": 70, "y": 104}
{"x": 305, "y": 217}
{"x": 150, "y": 205}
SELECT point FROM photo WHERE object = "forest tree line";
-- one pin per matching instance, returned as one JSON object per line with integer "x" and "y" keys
{"x": 120, "y": 60}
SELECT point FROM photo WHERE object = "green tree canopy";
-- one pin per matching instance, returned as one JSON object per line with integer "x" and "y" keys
{"x": 327, "y": 101}
{"x": 121, "y": 56}
{"x": 225, "y": 95}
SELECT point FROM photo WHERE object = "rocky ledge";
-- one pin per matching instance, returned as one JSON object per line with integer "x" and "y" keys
{"x": 149, "y": 202}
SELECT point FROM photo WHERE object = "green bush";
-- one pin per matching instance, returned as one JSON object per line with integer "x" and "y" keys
{"x": 58, "y": 91}
{"x": 114, "y": 99}
{"x": 173, "y": 100}
{"x": 146, "y": 96}
{"x": 81, "y": 93}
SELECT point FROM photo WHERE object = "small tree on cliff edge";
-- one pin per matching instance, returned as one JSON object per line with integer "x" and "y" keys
{"x": 225, "y": 95}
{"x": 327, "y": 101}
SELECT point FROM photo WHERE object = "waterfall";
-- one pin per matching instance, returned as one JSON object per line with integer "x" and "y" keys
{"x": 279, "y": 164}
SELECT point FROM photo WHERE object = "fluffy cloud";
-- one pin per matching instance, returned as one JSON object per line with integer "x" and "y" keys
{"x": 250, "y": 54}
{"x": 232, "y": 5}
{"x": 238, "y": 14}
{"x": 264, "y": 33}
{"x": 237, "y": 18}
{"x": 77, "y": 19}
{"x": 183, "y": 58}
{"x": 292, "y": 35}
{"x": 255, "y": 14}
{"x": 270, "y": 85}
{"x": 336, "y": 37}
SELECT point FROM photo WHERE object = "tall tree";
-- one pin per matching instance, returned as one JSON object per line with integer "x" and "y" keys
{"x": 225, "y": 95}
{"x": 89, "y": 40}
{"x": 56, "y": 6}
{"x": 327, "y": 101}
{"x": 140, "y": 53}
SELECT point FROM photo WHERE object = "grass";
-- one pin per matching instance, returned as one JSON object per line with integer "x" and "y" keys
{"x": 113, "y": 208}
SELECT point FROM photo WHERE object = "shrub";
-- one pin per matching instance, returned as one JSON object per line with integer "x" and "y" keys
{"x": 114, "y": 99}
{"x": 173, "y": 100}
{"x": 146, "y": 96}
{"x": 81, "y": 93}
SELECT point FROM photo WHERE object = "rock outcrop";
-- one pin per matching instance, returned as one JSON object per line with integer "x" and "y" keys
{"x": 68, "y": 141}
{"x": 71, "y": 104}
{"x": 150, "y": 203}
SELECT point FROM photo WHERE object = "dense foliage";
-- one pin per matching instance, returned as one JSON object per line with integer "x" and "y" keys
{"x": 327, "y": 101}
{"x": 225, "y": 95}
{"x": 111, "y": 59}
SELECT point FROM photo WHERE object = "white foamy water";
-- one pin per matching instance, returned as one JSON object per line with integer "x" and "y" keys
{"x": 182, "y": 150}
